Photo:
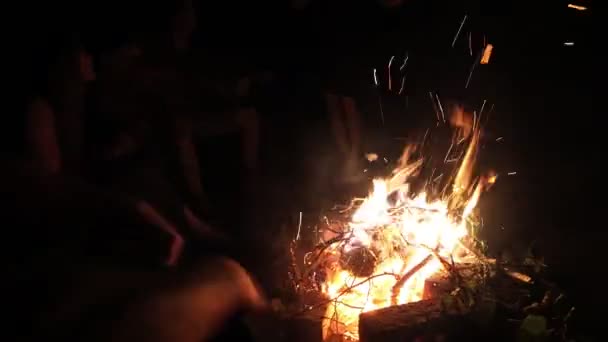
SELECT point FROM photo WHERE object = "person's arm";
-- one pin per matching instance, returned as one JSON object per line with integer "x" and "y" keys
{"x": 153, "y": 217}
{"x": 42, "y": 137}
{"x": 193, "y": 307}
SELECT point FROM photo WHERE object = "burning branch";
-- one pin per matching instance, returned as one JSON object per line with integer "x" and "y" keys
{"x": 347, "y": 290}
{"x": 399, "y": 284}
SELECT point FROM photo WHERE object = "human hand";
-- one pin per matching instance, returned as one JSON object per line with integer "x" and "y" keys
{"x": 175, "y": 251}
{"x": 195, "y": 308}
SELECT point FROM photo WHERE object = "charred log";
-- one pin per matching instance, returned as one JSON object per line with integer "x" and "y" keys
{"x": 425, "y": 319}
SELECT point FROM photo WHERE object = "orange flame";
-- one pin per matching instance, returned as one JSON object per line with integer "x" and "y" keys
{"x": 401, "y": 234}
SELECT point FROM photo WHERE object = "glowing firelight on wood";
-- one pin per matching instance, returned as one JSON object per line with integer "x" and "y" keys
{"x": 404, "y": 234}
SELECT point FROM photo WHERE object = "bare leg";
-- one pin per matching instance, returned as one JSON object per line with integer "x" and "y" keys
{"x": 153, "y": 217}
{"x": 190, "y": 163}
{"x": 201, "y": 228}
{"x": 336, "y": 118}
{"x": 247, "y": 119}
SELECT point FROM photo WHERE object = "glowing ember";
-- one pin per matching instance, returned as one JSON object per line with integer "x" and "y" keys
{"x": 395, "y": 238}
{"x": 577, "y": 7}
{"x": 487, "y": 52}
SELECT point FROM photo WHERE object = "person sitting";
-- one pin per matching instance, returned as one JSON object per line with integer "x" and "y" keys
{"x": 56, "y": 139}
{"x": 156, "y": 84}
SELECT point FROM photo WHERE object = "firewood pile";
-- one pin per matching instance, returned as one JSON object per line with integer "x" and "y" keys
{"x": 499, "y": 301}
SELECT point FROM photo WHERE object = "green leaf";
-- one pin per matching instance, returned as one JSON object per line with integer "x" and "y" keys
{"x": 447, "y": 300}
{"x": 533, "y": 328}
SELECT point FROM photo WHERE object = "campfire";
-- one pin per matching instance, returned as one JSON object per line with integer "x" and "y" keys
{"x": 396, "y": 239}
{"x": 406, "y": 263}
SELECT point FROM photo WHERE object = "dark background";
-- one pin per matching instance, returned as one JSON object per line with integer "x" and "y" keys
{"x": 541, "y": 90}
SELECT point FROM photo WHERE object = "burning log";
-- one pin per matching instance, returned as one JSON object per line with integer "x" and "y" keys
{"x": 409, "y": 322}
{"x": 307, "y": 327}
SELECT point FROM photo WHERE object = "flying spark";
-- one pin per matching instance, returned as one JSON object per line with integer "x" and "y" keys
{"x": 407, "y": 56}
{"x": 482, "y": 106}
{"x": 425, "y": 134}
{"x": 299, "y": 226}
{"x": 390, "y": 82}
{"x": 512, "y": 173}
{"x": 440, "y": 107}
{"x": 499, "y": 139}
{"x": 473, "y": 69}
{"x": 459, "y": 28}
{"x": 445, "y": 160}
{"x": 577, "y": 7}
{"x": 381, "y": 109}
{"x": 375, "y": 78}
{"x": 569, "y": 43}
{"x": 402, "y": 85}
{"x": 486, "y": 54}
{"x": 470, "y": 45}
{"x": 434, "y": 106}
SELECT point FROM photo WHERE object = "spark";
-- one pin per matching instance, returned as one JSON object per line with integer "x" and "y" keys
{"x": 381, "y": 109}
{"x": 434, "y": 106}
{"x": 577, "y": 7}
{"x": 437, "y": 178}
{"x": 390, "y": 82}
{"x": 299, "y": 226}
{"x": 407, "y": 56}
{"x": 499, "y": 139}
{"x": 445, "y": 160}
{"x": 482, "y": 106}
{"x": 472, "y": 69}
{"x": 487, "y": 53}
{"x": 459, "y": 28}
{"x": 375, "y": 78}
{"x": 440, "y": 107}
{"x": 475, "y": 119}
{"x": 569, "y": 43}
{"x": 402, "y": 85}
{"x": 512, "y": 173}
{"x": 385, "y": 160}
{"x": 425, "y": 134}
{"x": 491, "y": 109}
{"x": 470, "y": 45}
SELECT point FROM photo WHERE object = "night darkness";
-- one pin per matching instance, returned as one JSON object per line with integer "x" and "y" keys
{"x": 540, "y": 90}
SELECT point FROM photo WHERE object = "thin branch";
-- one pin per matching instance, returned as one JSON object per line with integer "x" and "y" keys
{"x": 397, "y": 287}
{"x": 346, "y": 290}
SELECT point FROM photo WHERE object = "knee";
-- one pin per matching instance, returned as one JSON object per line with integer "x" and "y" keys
{"x": 247, "y": 118}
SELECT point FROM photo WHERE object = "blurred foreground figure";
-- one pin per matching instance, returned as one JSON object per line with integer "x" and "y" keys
{"x": 206, "y": 302}
{"x": 195, "y": 309}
